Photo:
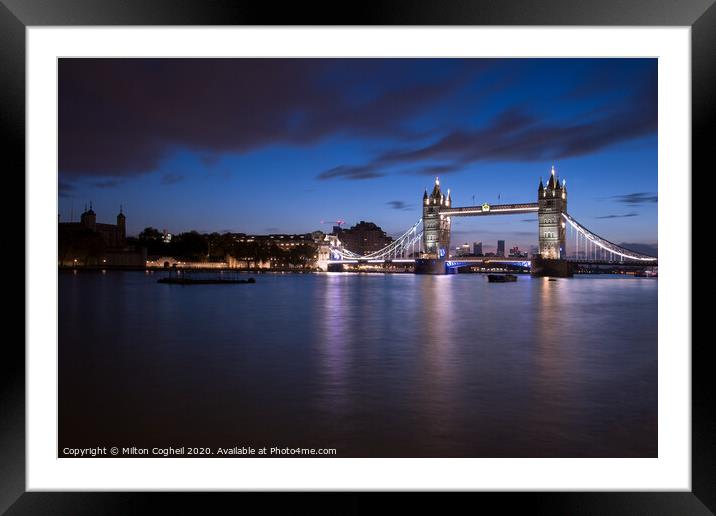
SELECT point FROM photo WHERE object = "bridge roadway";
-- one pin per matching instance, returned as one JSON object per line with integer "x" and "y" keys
{"x": 590, "y": 261}
{"x": 523, "y": 262}
{"x": 527, "y": 261}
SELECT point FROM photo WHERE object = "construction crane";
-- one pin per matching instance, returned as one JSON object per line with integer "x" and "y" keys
{"x": 338, "y": 222}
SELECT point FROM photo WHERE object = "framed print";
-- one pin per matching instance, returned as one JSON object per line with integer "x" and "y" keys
{"x": 427, "y": 248}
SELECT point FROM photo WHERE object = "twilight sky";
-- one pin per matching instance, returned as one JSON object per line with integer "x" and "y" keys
{"x": 279, "y": 145}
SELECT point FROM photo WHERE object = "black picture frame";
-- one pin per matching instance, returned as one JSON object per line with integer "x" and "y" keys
{"x": 17, "y": 15}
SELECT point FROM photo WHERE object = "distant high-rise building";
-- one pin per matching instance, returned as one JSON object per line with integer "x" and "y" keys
{"x": 463, "y": 250}
{"x": 477, "y": 248}
{"x": 501, "y": 248}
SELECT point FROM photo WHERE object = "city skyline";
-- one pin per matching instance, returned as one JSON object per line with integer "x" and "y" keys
{"x": 279, "y": 145}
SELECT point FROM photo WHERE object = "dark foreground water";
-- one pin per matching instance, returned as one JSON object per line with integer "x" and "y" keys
{"x": 372, "y": 365}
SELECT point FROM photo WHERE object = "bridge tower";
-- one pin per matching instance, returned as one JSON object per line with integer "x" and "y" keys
{"x": 552, "y": 202}
{"x": 436, "y": 227}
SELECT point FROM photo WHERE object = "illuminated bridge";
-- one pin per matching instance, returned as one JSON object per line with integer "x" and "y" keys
{"x": 426, "y": 243}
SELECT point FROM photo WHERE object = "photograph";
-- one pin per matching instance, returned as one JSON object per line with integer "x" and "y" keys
{"x": 379, "y": 257}
{"x": 412, "y": 247}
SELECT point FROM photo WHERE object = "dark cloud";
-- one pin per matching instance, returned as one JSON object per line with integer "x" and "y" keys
{"x": 121, "y": 117}
{"x": 516, "y": 135}
{"x": 636, "y": 198}
{"x": 351, "y": 172}
{"x": 65, "y": 189}
{"x": 435, "y": 170}
{"x": 272, "y": 230}
{"x": 106, "y": 183}
{"x": 498, "y": 140}
{"x": 648, "y": 249}
{"x": 171, "y": 179}
{"x": 209, "y": 160}
{"x": 617, "y": 216}
{"x": 400, "y": 205}
{"x": 529, "y": 220}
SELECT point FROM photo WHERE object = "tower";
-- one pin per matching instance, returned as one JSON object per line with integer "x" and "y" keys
{"x": 121, "y": 227}
{"x": 552, "y": 202}
{"x": 436, "y": 227}
{"x": 89, "y": 218}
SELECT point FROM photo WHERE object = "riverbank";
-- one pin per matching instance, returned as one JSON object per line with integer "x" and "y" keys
{"x": 97, "y": 268}
{"x": 157, "y": 270}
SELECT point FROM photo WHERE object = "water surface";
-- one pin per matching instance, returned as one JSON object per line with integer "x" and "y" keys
{"x": 372, "y": 365}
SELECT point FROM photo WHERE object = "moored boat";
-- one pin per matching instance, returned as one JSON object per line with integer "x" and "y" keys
{"x": 501, "y": 278}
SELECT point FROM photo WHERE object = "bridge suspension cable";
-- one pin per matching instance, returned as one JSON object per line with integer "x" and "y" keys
{"x": 606, "y": 245}
{"x": 406, "y": 246}
{"x": 409, "y": 245}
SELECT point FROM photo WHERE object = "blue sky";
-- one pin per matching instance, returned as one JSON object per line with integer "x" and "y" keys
{"x": 278, "y": 145}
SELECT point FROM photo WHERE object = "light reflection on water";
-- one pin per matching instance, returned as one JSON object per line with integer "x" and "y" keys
{"x": 373, "y": 365}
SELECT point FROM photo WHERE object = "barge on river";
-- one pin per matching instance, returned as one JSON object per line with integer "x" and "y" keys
{"x": 188, "y": 277}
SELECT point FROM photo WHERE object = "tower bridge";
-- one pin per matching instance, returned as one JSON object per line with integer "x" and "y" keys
{"x": 427, "y": 242}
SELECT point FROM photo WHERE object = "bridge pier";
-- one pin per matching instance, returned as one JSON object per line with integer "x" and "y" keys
{"x": 556, "y": 268}
{"x": 430, "y": 266}
{"x": 335, "y": 267}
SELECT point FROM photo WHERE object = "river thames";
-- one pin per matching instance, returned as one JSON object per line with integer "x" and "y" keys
{"x": 373, "y": 365}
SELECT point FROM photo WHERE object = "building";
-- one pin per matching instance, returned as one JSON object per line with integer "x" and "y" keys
{"x": 516, "y": 253}
{"x": 501, "y": 248}
{"x": 552, "y": 202}
{"x": 363, "y": 238}
{"x": 92, "y": 243}
{"x": 276, "y": 251}
{"x": 463, "y": 250}
{"x": 282, "y": 241}
{"x": 113, "y": 235}
{"x": 477, "y": 248}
